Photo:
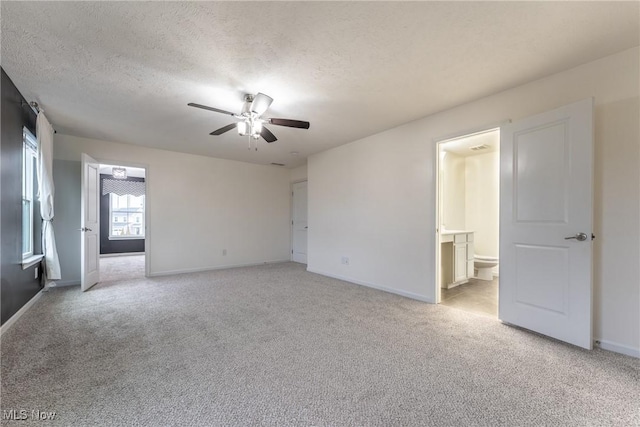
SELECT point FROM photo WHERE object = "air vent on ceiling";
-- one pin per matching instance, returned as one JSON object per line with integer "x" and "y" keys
{"x": 277, "y": 164}
{"x": 479, "y": 147}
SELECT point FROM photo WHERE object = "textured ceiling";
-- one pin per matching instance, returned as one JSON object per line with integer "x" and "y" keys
{"x": 125, "y": 71}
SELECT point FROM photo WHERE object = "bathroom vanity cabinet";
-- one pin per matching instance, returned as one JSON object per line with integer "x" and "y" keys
{"x": 456, "y": 257}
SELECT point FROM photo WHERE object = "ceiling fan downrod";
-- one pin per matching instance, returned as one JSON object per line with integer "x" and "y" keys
{"x": 251, "y": 139}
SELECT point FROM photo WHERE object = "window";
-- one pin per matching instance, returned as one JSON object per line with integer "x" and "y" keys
{"x": 29, "y": 186}
{"x": 126, "y": 216}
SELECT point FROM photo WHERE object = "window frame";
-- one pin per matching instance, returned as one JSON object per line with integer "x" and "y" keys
{"x": 29, "y": 185}
{"x": 125, "y": 222}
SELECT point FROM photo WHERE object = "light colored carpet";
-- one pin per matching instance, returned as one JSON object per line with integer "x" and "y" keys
{"x": 121, "y": 267}
{"x": 276, "y": 345}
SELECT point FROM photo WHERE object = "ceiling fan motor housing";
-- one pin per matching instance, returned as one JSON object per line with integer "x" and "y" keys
{"x": 246, "y": 107}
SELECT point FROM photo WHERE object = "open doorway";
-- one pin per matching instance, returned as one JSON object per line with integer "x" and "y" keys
{"x": 468, "y": 222}
{"x": 122, "y": 222}
{"x": 545, "y": 221}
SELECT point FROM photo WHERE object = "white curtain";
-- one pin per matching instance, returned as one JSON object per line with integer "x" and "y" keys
{"x": 44, "y": 134}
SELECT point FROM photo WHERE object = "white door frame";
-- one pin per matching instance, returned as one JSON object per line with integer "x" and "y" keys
{"x": 437, "y": 143}
{"x": 147, "y": 226}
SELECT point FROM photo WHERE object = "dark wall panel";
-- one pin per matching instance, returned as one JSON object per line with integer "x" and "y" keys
{"x": 17, "y": 286}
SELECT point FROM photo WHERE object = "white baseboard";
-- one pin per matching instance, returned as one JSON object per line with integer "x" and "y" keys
{"x": 618, "y": 348}
{"x": 121, "y": 254}
{"x": 184, "y": 271}
{"x": 374, "y": 286}
{"x": 19, "y": 313}
{"x": 221, "y": 267}
{"x": 61, "y": 283}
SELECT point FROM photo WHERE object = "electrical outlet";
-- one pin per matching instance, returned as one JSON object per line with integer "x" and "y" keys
{"x": 224, "y": 252}
{"x": 345, "y": 260}
{"x": 36, "y": 275}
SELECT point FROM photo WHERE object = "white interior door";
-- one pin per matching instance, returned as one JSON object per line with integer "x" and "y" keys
{"x": 546, "y": 186}
{"x": 90, "y": 223}
{"x": 299, "y": 223}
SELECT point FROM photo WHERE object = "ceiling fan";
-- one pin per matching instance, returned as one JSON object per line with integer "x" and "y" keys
{"x": 251, "y": 121}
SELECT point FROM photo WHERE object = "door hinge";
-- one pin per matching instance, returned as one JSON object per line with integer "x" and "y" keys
{"x": 593, "y": 236}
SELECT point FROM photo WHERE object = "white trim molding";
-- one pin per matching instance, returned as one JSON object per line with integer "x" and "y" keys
{"x": 61, "y": 283}
{"x": 19, "y": 313}
{"x": 121, "y": 254}
{"x": 222, "y": 267}
{"x": 32, "y": 260}
{"x": 617, "y": 348}
{"x": 400, "y": 292}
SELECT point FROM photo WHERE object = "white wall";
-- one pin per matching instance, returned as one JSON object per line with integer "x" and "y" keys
{"x": 199, "y": 206}
{"x": 482, "y": 201}
{"x": 374, "y": 199}
{"x": 453, "y": 192}
{"x": 298, "y": 174}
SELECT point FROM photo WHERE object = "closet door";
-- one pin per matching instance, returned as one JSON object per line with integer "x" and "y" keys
{"x": 299, "y": 223}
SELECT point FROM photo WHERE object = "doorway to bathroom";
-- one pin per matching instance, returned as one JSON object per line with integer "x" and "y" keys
{"x": 468, "y": 212}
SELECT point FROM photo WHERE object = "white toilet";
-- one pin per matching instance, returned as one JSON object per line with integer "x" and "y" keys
{"x": 484, "y": 265}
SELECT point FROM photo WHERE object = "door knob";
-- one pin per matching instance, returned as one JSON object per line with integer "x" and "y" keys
{"x": 581, "y": 237}
{"x": 84, "y": 229}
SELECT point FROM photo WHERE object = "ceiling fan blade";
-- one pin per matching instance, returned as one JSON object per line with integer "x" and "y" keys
{"x": 222, "y": 130}
{"x": 267, "y": 135}
{"x": 204, "y": 107}
{"x": 260, "y": 103}
{"x": 290, "y": 123}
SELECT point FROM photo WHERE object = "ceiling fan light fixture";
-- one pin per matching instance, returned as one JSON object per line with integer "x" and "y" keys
{"x": 260, "y": 103}
{"x": 242, "y": 128}
{"x": 256, "y": 128}
{"x": 119, "y": 173}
